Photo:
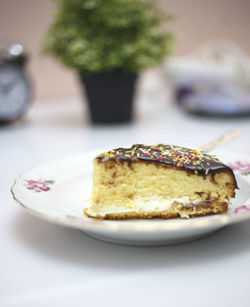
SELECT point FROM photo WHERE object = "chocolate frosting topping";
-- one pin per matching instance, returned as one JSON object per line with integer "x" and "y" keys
{"x": 184, "y": 158}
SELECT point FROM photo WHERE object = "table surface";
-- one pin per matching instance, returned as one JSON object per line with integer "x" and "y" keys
{"x": 43, "y": 264}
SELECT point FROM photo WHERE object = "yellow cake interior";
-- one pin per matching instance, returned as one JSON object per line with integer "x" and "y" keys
{"x": 144, "y": 190}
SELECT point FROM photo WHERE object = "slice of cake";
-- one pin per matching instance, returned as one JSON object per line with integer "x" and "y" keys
{"x": 162, "y": 181}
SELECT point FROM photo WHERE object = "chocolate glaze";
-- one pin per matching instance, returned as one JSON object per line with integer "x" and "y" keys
{"x": 188, "y": 159}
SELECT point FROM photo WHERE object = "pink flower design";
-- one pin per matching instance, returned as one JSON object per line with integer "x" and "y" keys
{"x": 242, "y": 167}
{"x": 242, "y": 209}
{"x": 39, "y": 185}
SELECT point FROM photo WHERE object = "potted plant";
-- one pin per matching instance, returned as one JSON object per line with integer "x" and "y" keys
{"x": 108, "y": 42}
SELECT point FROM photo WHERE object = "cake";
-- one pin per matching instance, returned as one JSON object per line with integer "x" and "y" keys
{"x": 159, "y": 181}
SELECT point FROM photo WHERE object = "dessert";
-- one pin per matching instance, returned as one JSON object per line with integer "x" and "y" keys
{"x": 163, "y": 181}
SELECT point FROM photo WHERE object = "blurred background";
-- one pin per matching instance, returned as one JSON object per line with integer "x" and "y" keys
{"x": 198, "y": 21}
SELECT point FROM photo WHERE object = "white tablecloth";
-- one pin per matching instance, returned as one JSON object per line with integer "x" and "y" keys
{"x": 49, "y": 265}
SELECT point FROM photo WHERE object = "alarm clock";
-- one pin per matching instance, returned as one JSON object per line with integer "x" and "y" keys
{"x": 15, "y": 86}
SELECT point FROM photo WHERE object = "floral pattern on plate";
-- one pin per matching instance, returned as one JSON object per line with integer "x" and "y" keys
{"x": 39, "y": 185}
{"x": 242, "y": 167}
{"x": 241, "y": 209}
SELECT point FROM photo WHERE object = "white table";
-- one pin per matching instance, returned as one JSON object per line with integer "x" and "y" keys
{"x": 48, "y": 265}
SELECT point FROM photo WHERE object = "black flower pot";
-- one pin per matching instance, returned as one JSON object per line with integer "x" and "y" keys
{"x": 110, "y": 96}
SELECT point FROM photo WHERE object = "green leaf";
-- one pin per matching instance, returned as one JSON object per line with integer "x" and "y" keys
{"x": 49, "y": 181}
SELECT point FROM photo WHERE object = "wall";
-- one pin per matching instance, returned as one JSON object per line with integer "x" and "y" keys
{"x": 197, "y": 22}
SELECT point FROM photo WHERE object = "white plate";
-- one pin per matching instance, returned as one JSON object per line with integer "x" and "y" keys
{"x": 58, "y": 191}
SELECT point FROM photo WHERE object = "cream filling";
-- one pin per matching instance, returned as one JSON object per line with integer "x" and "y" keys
{"x": 145, "y": 205}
